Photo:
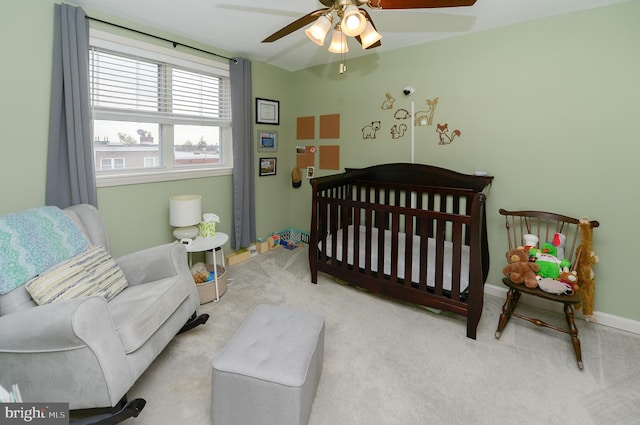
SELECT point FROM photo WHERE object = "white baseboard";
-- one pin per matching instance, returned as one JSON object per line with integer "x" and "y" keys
{"x": 605, "y": 319}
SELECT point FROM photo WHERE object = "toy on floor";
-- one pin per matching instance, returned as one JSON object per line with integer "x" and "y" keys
{"x": 201, "y": 274}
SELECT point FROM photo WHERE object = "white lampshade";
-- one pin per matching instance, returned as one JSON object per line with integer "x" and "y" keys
{"x": 318, "y": 31}
{"x": 184, "y": 214}
{"x": 338, "y": 42}
{"x": 369, "y": 36}
{"x": 353, "y": 22}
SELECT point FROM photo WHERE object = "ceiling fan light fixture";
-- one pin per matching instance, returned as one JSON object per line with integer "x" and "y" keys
{"x": 338, "y": 41}
{"x": 319, "y": 30}
{"x": 353, "y": 22}
{"x": 369, "y": 36}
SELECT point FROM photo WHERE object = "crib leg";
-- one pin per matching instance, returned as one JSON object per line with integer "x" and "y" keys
{"x": 314, "y": 274}
{"x": 513, "y": 296}
{"x": 313, "y": 268}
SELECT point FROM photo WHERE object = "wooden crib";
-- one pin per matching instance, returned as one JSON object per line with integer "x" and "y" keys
{"x": 411, "y": 232}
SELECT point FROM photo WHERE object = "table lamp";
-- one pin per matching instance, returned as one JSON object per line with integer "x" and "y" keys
{"x": 184, "y": 215}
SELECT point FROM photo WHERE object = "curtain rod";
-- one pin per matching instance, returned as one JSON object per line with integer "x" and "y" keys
{"x": 174, "y": 43}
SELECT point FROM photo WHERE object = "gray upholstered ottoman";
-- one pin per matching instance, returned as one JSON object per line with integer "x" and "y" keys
{"x": 269, "y": 371}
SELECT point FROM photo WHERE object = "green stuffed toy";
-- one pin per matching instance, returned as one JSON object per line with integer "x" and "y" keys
{"x": 548, "y": 262}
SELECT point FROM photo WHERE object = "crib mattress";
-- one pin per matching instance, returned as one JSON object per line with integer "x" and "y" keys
{"x": 415, "y": 263}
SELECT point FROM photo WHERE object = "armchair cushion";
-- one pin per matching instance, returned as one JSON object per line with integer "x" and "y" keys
{"x": 142, "y": 309}
{"x": 93, "y": 272}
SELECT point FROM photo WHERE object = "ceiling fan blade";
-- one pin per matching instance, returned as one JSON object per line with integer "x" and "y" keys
{"x": 418, "y": 4}
{"x": 295, "y": 25}
{"x": 422, "y": 21}
{"x": 258, "y": 10}
{"x": 357, "y": 37}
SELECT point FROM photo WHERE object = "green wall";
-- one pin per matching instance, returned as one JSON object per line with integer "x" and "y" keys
{"x": 548, "y": 107}
{"x": 25, "y": 78}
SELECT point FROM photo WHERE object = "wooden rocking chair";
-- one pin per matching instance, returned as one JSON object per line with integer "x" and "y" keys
{"x": 544, "y": 226}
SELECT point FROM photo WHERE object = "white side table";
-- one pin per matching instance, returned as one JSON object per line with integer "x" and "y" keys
{"x": 207, "y": 244}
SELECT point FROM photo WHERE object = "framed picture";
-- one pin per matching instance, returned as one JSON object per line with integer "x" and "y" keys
{"x": 311, "y": 171}
{"x": 268, "y": 166}
{"x": 267, "y": 111}
{"x": 267, "y": 141}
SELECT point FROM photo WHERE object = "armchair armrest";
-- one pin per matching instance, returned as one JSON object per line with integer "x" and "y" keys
{"x": 155, "y": 263}
{"x": 64, "y": 325}
{"x": 50, "y": 340}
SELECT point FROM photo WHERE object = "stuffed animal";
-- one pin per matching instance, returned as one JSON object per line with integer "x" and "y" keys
{"x": 555, "y": 287}
{"x": 520, "y": 269}
{"x": 547, "y": 261}
{"x": 199, "y": 272}
{"x": 558, "y": 241}
{"x": 530, "y": 241}
{"x": 586, "y": 260}
{"x": 570, "y": 278}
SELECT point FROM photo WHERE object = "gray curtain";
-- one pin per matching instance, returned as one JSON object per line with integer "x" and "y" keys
{"x": 244, "y": 211}
{"x": 70, "y": 169}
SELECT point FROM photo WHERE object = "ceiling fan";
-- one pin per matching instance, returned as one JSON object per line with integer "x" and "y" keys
{"x": 353, "y": 21}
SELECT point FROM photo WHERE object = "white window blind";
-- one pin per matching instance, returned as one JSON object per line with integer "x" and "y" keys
{"x": 147, "y": 89}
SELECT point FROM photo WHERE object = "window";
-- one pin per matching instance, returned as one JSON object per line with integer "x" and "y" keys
{"x": 111, "y": 163}
{"x": 157, "y": 114}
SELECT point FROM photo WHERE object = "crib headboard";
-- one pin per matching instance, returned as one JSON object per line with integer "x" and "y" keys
{"x": 419, "y": 174}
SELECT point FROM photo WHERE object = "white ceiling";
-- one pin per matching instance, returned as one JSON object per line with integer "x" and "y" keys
{"x": 238, "y": 26}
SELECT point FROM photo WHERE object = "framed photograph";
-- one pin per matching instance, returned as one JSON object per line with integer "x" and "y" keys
{"x": 267, "y": 141}
{"x": 267, "y": 111}
{"x": 311, "y": 171}
{"x": 268, "y": 166}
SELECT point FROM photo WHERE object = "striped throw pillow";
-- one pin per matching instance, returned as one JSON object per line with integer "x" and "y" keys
{"x": 93, "y": 272}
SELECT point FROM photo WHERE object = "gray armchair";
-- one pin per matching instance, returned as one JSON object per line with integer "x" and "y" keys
{"x": 87, "y": 351}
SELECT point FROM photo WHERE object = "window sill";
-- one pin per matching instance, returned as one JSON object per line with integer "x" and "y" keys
{"x": 121, "y": 179}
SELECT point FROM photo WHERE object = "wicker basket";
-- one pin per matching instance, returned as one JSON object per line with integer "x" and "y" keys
{"x": 207, "y": 290}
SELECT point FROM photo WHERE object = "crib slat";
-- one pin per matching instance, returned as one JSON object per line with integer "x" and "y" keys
{"x": 439, "y": 263}
{"x": 322, "y": 225}
{"x": 344, "y": 226}
{"x": 424, "y": 253}
{"x": 356, "y": 237}
{"x": 456, "y": 260}
{"x": 368, "y": 239}
{"x": 381, "y": 226}
{"x": 395, "y": 230}
{"x": 333, "y": 225}
{"x": 408, "y": 251}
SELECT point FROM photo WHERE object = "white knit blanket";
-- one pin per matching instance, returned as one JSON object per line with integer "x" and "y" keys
{"x": 34, "y": 240}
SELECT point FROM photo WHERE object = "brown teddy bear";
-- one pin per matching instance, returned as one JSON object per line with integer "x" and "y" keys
{"x": 520, "y": 269}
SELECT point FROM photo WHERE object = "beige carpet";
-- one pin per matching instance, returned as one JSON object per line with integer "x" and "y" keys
{"x": 390, "y": 363}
